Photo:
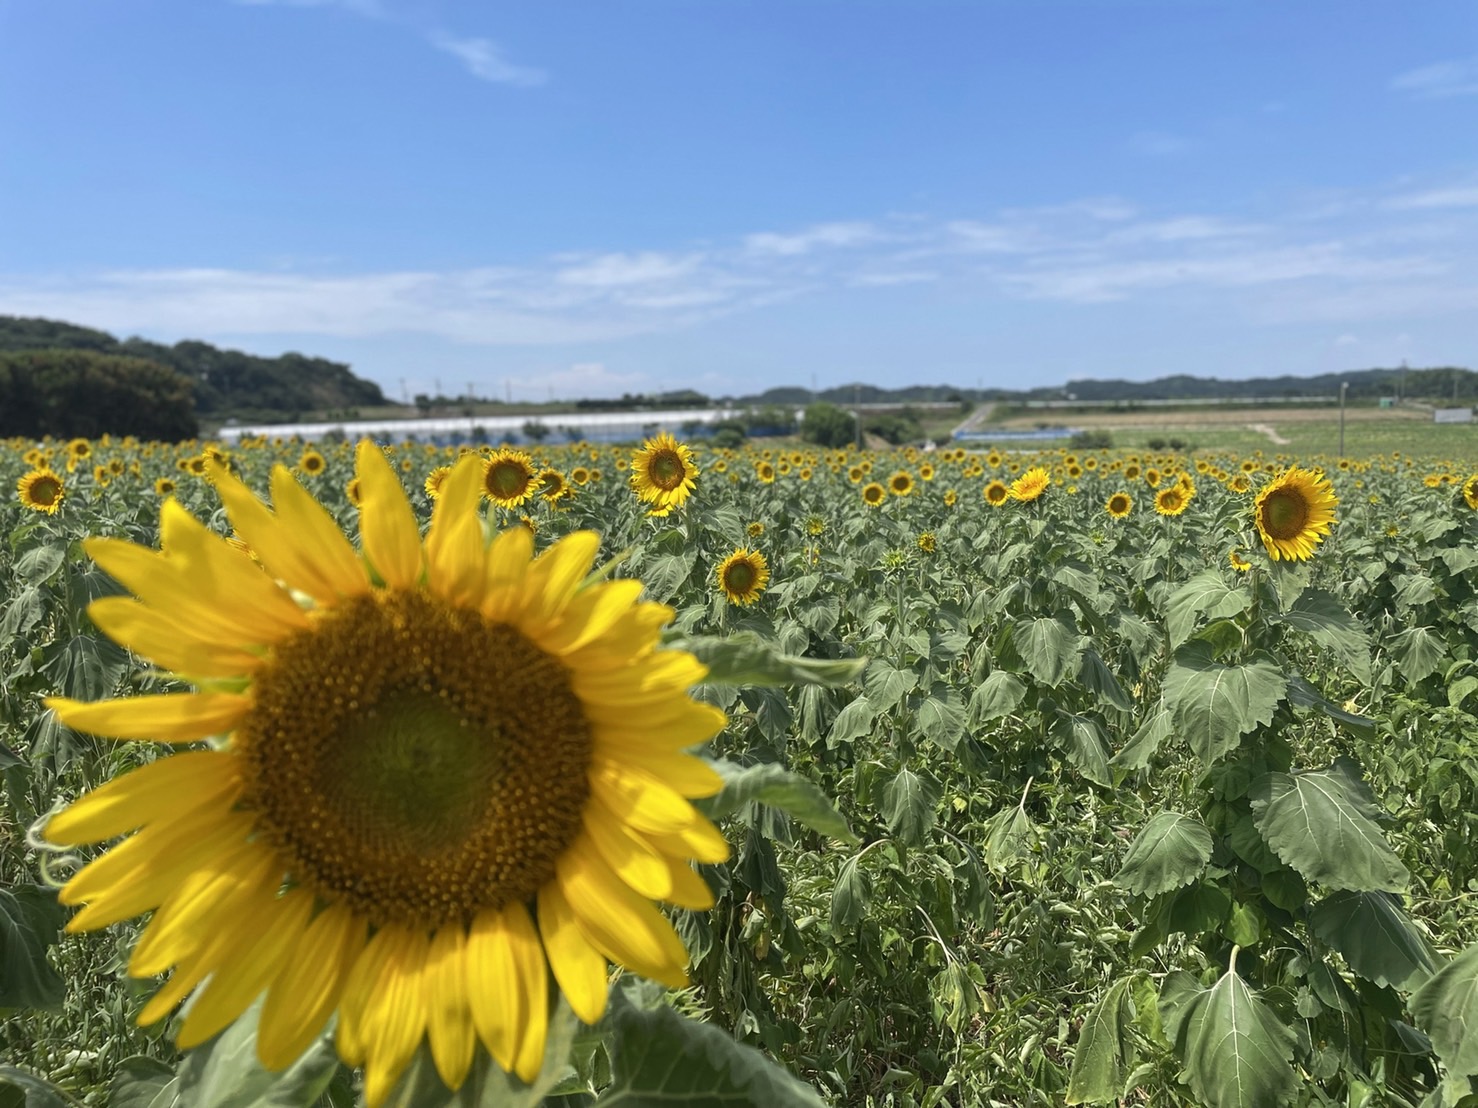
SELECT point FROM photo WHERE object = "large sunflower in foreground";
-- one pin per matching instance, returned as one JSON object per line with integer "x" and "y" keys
{"x": 440, "y": 770}
{"x": 1030, "y": 485}
{"x": 662, "y": 473}
{"x": 1293, "y": 513}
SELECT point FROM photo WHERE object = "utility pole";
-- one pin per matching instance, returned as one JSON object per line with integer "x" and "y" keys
{"x": 857, "y": 411}
{"x": 405, "y": 393}
{"x": 469, "y": 392}
{"x": 438, "y": 387}
{"x": 1343, "y": 385}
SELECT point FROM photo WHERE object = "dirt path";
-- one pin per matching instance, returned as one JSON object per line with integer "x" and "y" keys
{"x": 1270, "y": 432}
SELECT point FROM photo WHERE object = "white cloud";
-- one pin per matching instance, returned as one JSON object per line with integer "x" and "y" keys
{"x": 1186, "y": 228}
{"x": 484, "y": 59}
{"x": 1440, "y": 80}
{"x": 622, "y": 270}
{"x": 804, "y": 242}
{"x": 888, "y": 280}
{"x": 1459, "y": 197}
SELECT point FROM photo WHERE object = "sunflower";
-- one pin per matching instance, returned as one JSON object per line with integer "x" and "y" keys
{"x": 508, "y": 477}
{"x": 1171, "y": 500}
{"x": 926, "y": 472}
{"x": 1238, "y": 563}
{"x": 1294, "y": 512}
{"x": 1119, "y": 505}
{"x": 1131, "y": 471}
{"x": 1152, "y": 477}
{"x": 754, "y": 530}
{"x": 743, "y": 575}
{"x": 951, "y": 498}
{"x": 352, "y": 492}
{"x": 434, "y": 480}
{"x": 993, "y": 460}
{"x": 1470, "y": 492}
{"x": 663, "y": 473}
{"x": 901, "y": 483}
{"x": 873, "y": 494}
{"x": 194, "y": 466}
{"x": 815, "y": 525}
{"x": 855, "y": 474}
{"x": 164, "y": 486}
{"x": 765, "y": 472}
{"x": 1030, "y": 485}
{"x": 42, "y": 490}
{"x": 311, "y": 463}
{"x": 996, "y": 493}
{"x": 1240, "y": 483}
{"x": 580, "y": 475}
{"x": 927, "y": 542}
{"x": 552, "y": 485}
{"x": 101, "y": 475}
{"x": 549, "y": 803}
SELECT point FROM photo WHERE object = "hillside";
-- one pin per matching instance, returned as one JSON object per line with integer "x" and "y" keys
{"x": 226, "y": 382}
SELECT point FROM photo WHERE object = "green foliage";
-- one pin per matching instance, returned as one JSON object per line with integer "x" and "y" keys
{"x": 77, "y": 393}
{"x": 827, "y": 425}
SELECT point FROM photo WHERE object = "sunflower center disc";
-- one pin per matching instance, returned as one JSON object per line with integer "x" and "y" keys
{"x": 506, "y": 480}
{"x": 1284, "y": 514}
{"x": 740, "y": 577}
{"x": 414, "y": 761}
{"x": 666, "y": 470}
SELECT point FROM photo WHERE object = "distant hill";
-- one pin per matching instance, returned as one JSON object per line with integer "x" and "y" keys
{"x": 225, "y": 381}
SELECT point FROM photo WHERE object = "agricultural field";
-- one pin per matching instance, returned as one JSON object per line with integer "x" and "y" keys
{"x": 1103, "y": 777}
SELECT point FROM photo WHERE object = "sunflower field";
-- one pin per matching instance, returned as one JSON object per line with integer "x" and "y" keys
{"x": 347, "y": 774}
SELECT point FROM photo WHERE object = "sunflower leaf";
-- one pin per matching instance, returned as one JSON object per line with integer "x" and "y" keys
{"x": 747, "y": 659}
{"x": 22, "y": 1089}
{"x": 1214, "y": 705}
{"x": 776, "y": 786}
{"x": 1322, "y": 617}
{"x": 30, "y": 921}
{"x": 1204, "y": 593}
{"x": 1170, "y": 850}
{"x": 660, "y": 1058}
{"x": 1446, "y": 1008}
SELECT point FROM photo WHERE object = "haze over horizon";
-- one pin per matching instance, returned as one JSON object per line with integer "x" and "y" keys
{"x": 592, "y": 199}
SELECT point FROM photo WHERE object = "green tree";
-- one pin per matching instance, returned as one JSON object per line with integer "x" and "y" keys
{"x": 70, "y": 393}
{"x": 827, "y": 425}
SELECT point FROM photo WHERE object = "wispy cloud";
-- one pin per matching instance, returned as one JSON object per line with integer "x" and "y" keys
{"x": 812, "y": 238}
{"x": 485, "y": 60}
{"x": 1440, "y": 80}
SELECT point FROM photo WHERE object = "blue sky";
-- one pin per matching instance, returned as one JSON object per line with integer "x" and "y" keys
{"x": 565, "y": 199}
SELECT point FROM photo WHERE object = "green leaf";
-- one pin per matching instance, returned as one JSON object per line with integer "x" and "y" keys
{"x": 1170, "y": 851}
{"x": 852, "y": 723}
{"x": 1238, "y": 1053}
{"x": 1104, "y": 1047}
{"x": 1214, "y": 705}
{"x": 487, "y": 1085}
{"x": 1140, "y": 750}
{"x": 30, "y": 922}
{"x": 27, "y": 609}
{"x": 1322, "y": 823}
{"x": 1086, "y": 746}
{"x": 766, "y": 783}
{"x": 1419, "y": 652}
{"x": 22, "y": 1089}
{"x": 1204, "y": 593}
{"x": 1460, "y": 689}
{"x": 997, "y": 696}
{"x": 660, "y": 1059}
{"x": 747, "y": 659}
{"x": 849, "y": 896}
{"x": 1319, "y": 615}
{"x": 941, "y": 717}
{"x": 1376, "y": 936}
{"x": 1098, "y": 679}
{"x": 664, "y": 574}
{"x": 40, "y": 563}
{"x": 887, "y": 685}
{"x": 1048, "y": 646}
{"x": 1008, "y": 835}
{"x": 909, "y": 802}
{"x": 1301, "y": 694}
{"x": 225, "y": 1073}
{"x": 1446, "y": 1008}
{"x": 141, "y": 1082}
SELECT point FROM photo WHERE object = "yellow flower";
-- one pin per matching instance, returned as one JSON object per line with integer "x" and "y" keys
{"x": 1171, "y": 500}
{"x": 743, "y": 575}
{"x": 951, "y": 498}
{"x": 1119, "y": 505}
{"x": 996, "y": 493}
{"x": 552, "y": 486}
{"x": 508, "y": 477}
{"x": 351, "y": 491}
{"x": 1470, "y": 492}
{"x": 1030, "y": 485}
{"x": 765, "y": 472}
{"x": 301, "y": 857}
{"x": 41, "y": 490}
{"x": 164, "y": 486}
{"x": 755, "y": 529}
{"x": 311, "y": 463}
{"x": 901, "y": 483}
{"x": 1239, "y": 563}
{"x": 927, "y": 542}
{"x": 663, "y": 473}
{"x": 434, "y": 480}
{"x": 873, "y": 494}
{"x": 1294, "y": 512}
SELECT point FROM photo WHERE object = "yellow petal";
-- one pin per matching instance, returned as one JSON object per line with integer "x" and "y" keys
{"x": 455, "y": 550}
{"x": 164, "y": 789}
{"x": 690, "y": 776}
{"x": 633, "y": 635}
{"x": 186, "y": 976}
{"x": 689, "y": 890}
{"x": 664, "y": 673}
{"x": 167, "y": 642}
{"x": 448, "y": 1019}
{"x": 354, "y": 1030}
{"x": 532, "y": 971}
{"x": 306, "y": 549}
{"x": 618, "y": 922}
{"x": 701, "y": 841}
{"x": 395, "y": 1018}
{"x": 274, "y": 926}
{"x": 504, "y": 595}
{"x": 591, "y": 614}
{"x": 639, "y": 799}
{"x": 387, "y": 526}
{"x": 308, "y": 986}
{"x": 579, "y": 968}
{"x": 495, "y": 992}
{"x": 682, "y": 724}
{"x": 142, "y": 871}
{"x": 173, "y": 718}
{"x": 203, "y": 905}
{"x": 636, "y": 861}
{"x": 557, "y": 573}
